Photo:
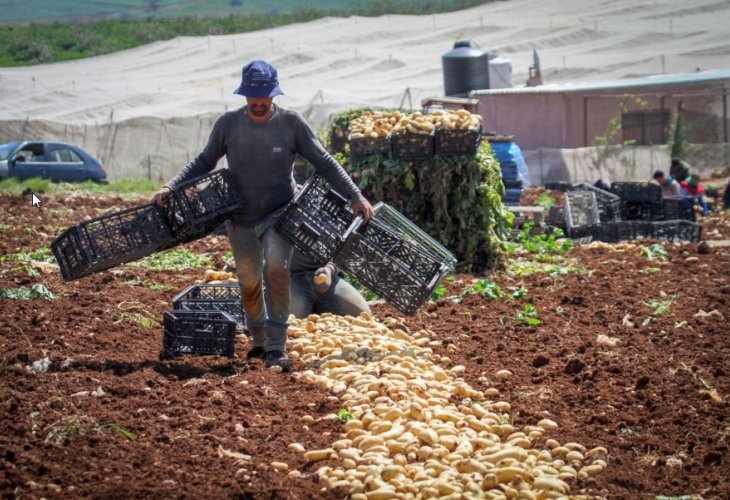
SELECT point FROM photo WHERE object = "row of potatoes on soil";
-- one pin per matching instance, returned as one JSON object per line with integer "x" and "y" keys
{"x": 381, "y": 124}
{"x": 419, "y": 430}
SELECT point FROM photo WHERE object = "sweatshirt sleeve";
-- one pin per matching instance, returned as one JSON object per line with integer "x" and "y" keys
{"x": 207, "y": 159}
{"x": 311, "y": 149}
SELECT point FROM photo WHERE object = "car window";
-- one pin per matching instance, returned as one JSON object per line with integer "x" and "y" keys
{"x": 31, "y": 152}
{"x": 62, "y": 154}
{"x": 6, "y": 149}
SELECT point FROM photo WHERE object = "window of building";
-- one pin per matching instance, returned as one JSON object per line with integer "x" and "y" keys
{"x": 645, "y": 127}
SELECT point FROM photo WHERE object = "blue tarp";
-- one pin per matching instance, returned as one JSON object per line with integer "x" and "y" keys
{"x": 508, "y": 152}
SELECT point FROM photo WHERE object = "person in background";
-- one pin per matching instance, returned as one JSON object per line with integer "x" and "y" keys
{"x": 679, "y": 169}
{"x": 670, "y": 187}
{"x": 260, "y": 142}
{"x": 692, "y": 187}
{"x": 319, "y": 289}
{"x": 726, "y": 197}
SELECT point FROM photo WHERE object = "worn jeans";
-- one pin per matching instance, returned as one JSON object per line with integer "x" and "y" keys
{"x": 341, "y": 298}
{"x": 262, "y": 265}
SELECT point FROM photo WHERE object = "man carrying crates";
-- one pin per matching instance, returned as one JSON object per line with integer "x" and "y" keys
{"x": 260, "y": 141}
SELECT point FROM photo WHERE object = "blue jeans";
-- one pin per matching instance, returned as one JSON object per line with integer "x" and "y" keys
{"x": 262, "y": 265}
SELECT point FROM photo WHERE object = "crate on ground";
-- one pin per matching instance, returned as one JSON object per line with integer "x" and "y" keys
{"x": 556, "y": 216}
{"x": 612, "y": 232}
{"x": 317, "y": 220}
{"x": 410, "y": 146}
{"x": 509, "y": 170}
{"x": 457, "y": 141}
{"x": 395, "y": 268}
{"x": 198, "y": 332}
{"x": 678, "y": 207}
{"x": 609, "y": 204}
{"x": 109, "y": 240}
{"x": 212, "y": 297}
{"x": 583, "y": 234}
{"x": 581, "y": 209}
{"x": 677, "y": 231}
{"x": 400, "y": 224}
{"x": 199, "y": 206}
{"x": 363, "y": 147}
{"x": 648, "y": 192}
{"x": 640, "y": 210}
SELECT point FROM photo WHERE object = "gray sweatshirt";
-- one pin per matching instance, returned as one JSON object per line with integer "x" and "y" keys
{"x": 261, "y": 160}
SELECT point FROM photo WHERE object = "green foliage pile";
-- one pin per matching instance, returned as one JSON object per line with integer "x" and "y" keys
{"x": 456, "y": 199}
{"x": 42, "y": 42}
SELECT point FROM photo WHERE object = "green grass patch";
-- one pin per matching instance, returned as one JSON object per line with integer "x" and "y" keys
{"x": 136, "y": 187}
{"x": 177, "y": 259}
{"x": 148, "y": 284}
{"x": 528, "y": 315}
{"x": 145, "y": 22}
{"x": 25, "y": 293}
{"x": 523, "y": 267}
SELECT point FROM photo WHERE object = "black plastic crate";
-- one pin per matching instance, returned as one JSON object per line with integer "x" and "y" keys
{"x": 612, "y": 232}
{"x": 317, "y": 221}
{"x": 638, "y": 191}
{"x": 199, "y": 206}
{"x": 556, "y": 216}
{"x": 338, "y": 139}
{"x": 198, "y": 332}
{"x": 394, "y": 268}
{"x": 457, "y": 141}
{"x": 581, "y": 209}
{"x": 362, "y": 147}
{"x": 583, "y": 234}
{"x": 677, "y": 231}
{"x": 509, "y": 170}
{"x": 225, "y": 298}
{"x": 637, "y": 210}
{"x": 513, "y": 183}
{"x": 609, "y": 204}
{"x": 410, "y": 146}
{"x": 678, "y": 207}
{"x": 109, "y": 240}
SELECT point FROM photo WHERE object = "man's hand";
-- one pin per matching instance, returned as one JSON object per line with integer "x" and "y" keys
{"x": 363, "y": 207}
{"x": 323, "y": 278}
{"x": 160, "y": 196}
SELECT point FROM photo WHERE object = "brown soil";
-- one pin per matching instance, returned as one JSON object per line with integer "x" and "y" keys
{"x": 649, "y": 399}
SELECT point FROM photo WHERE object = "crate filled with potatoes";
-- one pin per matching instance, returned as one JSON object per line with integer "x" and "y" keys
{"x": 414, "y": 136}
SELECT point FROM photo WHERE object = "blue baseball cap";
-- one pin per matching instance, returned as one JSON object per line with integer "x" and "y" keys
{"x": 259, "y": 79}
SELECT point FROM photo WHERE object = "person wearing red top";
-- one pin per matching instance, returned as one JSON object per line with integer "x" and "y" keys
{"x": 692, "y": 187}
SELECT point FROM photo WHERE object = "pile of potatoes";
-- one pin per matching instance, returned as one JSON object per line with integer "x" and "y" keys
{"x": 213, "y": 277}
{"x": 381, "y": 124}
{"x": 418, "y": 429}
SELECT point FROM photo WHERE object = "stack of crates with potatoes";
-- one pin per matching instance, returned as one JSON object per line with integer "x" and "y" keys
{"x": 192, "y": 210}
{"x": 390, "y": 255}
{"x": 414, "y": 136}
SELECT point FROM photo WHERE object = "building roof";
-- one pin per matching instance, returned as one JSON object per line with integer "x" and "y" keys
{"x": 647, "y": 81}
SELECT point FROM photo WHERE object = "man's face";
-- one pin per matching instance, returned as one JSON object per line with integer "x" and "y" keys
{"x": 661, "y": 180}
{"x": 259, "y": 107}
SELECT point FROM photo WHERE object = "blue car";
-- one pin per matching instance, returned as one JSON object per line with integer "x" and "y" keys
{"x": 56, "y": 161}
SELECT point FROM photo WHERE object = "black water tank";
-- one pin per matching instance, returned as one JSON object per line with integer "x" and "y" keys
{"x": 466, "y": 68}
